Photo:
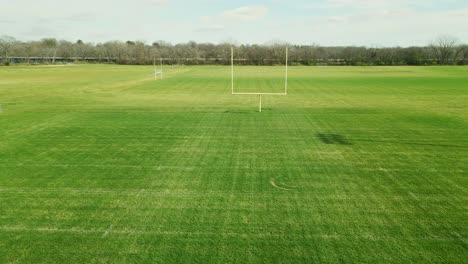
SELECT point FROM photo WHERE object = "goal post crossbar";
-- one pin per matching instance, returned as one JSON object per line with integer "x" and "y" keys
{"x": 259, "y": 93}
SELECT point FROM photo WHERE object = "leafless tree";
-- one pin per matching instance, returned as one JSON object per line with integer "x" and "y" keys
{"x": 443, "y": 48}
{"x": 6, "y": 44}
{"x": 461, "y": 54}
{"x": 52, "y": 45}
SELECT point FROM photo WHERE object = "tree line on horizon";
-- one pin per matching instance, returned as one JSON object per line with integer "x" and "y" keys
{"x": 444, "y": 50}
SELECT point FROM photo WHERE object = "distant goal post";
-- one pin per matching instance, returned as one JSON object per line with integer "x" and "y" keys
{"x": 233, "y": 92}
{"x": 158, "y": 72}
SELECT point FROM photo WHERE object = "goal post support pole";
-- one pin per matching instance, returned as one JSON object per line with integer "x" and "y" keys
{"x": 260, "y": 104}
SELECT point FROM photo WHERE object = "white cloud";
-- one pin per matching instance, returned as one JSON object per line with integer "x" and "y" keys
{"x": 365, "y": 2}
{"x": 326, "y": 22}
{"x": 158, "y": 2}
{"x": 246, "y": 13}
{"x": 387, "y": 28}
{"x": 350, "y": 6}
{"x": 6, "y": 21}
{"x": 232, "y": 17}
{"x": 337, "y": 19}
{"x": 211, "y": 28}
{"x": 81, "y": 17}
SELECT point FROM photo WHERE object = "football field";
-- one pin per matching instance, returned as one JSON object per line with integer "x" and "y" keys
{"x": 101, "y": 163}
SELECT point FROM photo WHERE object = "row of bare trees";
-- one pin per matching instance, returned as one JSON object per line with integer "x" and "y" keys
{"x": 443, "y": 50}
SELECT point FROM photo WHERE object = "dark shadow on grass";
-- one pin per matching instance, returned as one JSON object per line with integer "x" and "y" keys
{"x": 336, "y": 139}
{"x": 236, "y": 112}
{"x": 253, "y": 110}
{"x": 333, "y": 139}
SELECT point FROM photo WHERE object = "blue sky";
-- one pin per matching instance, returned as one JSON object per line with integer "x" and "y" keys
{"x": 323, "y": 22}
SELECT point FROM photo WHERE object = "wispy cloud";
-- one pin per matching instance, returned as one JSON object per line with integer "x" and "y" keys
{"x": 246, "y": 13}
{"x": 157, "y": 2}
{"x": 386, "y": 27}
{"x": 81, "y": 17}
{"x": 365, "y": 2}
{"x": 353, "y": 6}
{"x": 211, "y": 28}
{"x": 232, "y": 17}
{"x": 40, "y": 31}
{"x": 328, "y": 22}
{"x": 6, "y": 21}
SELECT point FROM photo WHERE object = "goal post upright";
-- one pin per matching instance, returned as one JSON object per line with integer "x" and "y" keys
{"x": 154, "y": 69}
{"x": 232, "y": 70}
{"x": 162, "y": 74}
{"x": 286, "y": 76}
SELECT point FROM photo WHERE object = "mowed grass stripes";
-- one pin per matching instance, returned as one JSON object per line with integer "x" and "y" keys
{"x": 100, "y": 163}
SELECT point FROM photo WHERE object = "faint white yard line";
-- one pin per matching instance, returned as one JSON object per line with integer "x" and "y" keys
{"x": 126, "y": 85}
{"x": 182, "y": 193}
{"x": 56, "y": 65}
{"x": 176, "y": 73}
{"x": 188, "y": 168}
{"x": 413, "y": 195}
{"x": 191, "y": 168}
{"x": 216, "y": 234}
{"x": 47, "y": 229}
{"x": 107, "y": 231}
{"x": 40, "y": 126}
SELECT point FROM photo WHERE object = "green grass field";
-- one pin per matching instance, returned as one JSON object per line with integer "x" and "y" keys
{"x": 100, "y": 163}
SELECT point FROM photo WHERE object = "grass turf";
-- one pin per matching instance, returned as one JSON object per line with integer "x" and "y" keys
{"x": 100, "y": 163}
